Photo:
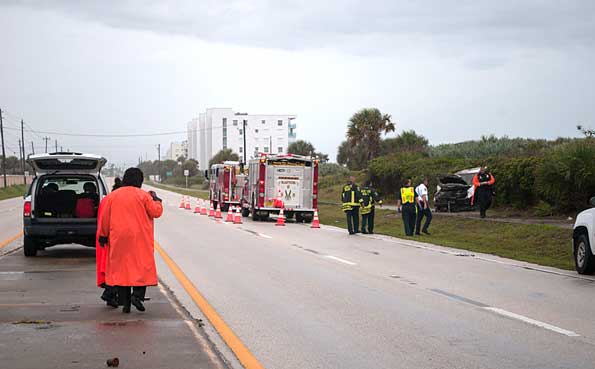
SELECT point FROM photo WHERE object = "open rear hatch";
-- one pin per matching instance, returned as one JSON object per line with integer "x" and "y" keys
{"x": 66, "y": 162}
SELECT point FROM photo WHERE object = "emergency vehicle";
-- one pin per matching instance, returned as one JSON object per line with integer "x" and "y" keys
{"x": 225, "y": 184}
{"x": 284, "y": 181}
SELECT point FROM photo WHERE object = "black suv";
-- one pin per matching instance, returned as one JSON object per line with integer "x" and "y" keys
{"x": 61, "y": 203}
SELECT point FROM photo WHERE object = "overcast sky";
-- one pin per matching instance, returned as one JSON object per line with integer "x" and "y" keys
{"x": 451, "y": 70}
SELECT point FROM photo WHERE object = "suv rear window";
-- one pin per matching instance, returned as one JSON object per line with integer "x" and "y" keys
{"x": 67, "y": 197}
{"x": 74, "y": 164}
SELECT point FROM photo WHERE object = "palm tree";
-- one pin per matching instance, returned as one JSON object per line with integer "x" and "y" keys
{"x": 365, "y": 129}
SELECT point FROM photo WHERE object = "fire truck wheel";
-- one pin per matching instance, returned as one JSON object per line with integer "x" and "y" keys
{"x": 224, "y": 208}
{"x": 245, "y": 212}
{"x": 299, "y": 218}
{"x": 308, "y": 217}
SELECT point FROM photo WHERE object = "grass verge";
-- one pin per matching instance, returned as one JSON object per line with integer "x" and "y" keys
{"x": 534, "y": 243}
{"x": 12, "y": 191}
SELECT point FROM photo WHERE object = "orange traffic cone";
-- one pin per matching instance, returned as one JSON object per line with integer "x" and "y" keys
{"x": 237, "y": 219}
{"x": 229, "y": 215}
{"x": 203, "y": 207}
{"x": 187, "y": 207}
{"x": 182, "y": 203}
{"x": 218, "y": 212}
{"x": 281, "y": 219}
{"x": 197, "y": 208}
{"x": 211, "y": 211}
{"x": 315, "y": 221}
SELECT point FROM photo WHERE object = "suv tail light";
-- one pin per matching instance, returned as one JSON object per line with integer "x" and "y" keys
{"x": 27, "y": 209}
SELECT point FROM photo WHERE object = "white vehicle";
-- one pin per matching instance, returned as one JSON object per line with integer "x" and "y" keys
{"x": 288, "y": 182}
{"x": 583, "y": 237}
{"x": 61, "y": 203}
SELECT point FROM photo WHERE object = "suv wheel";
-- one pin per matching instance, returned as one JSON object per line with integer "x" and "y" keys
{"x": 583, "y": 258}
{"x": 29, "y": 246}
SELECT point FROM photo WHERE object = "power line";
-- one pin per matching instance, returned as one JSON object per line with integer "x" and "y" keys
{"x": 113, "y": 135}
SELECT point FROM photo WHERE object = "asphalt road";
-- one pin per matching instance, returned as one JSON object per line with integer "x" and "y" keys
{"x": 306, "y": 298}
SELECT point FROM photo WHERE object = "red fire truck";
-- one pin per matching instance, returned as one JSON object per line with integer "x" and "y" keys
{"x": 225, "y": 184}
{"x": 275, "y": 182}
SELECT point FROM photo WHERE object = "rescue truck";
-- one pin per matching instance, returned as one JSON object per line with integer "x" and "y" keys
{"x": 225, "y": 184}
{"x": 284, "y": 181}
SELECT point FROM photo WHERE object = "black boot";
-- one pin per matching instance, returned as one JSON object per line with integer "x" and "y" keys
{"x": 125, "y": 298}
{"x": 110, "y": 296}
{"x": 138, "y": 296}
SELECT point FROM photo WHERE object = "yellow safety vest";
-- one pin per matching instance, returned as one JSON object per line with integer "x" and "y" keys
{"x": 407, "y": 195}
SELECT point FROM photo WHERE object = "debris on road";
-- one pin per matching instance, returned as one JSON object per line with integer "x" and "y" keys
{"x": 113, "y": 363}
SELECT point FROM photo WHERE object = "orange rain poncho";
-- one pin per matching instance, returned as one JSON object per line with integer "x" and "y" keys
{"x": 127, "y": 220}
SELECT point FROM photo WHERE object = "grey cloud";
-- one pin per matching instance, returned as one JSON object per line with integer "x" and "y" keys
{"x": 347, "y": 24}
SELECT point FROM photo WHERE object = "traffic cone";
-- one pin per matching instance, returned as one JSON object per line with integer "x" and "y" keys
{"x": 203, "y": 207}
{"x": 187, "y": 207}
{"x": 211, "y": 211}
{"x": 218, "y": 212}
{"x": 229, "y": 218}
{"x": 315, "y": 221}
{"x": 197, "y": 208}
{"x": 237, "y": 219}
{"x": 281, "y": 219}
{"x": 182, "y": 203}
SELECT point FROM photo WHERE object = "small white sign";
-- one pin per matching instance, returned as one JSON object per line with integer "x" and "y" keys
{"x": 186, "y": 172}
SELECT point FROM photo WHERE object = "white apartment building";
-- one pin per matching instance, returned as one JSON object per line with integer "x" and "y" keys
{"x": 177, "y": 149}
{"x": 222, "y": 128}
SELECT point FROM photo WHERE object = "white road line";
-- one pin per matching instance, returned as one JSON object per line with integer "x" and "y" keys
{"x": 340, "y": 260}
{"x": 264, "y": 235}
{"x": 534, "y": 322}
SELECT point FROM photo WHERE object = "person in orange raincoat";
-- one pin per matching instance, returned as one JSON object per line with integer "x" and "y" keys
{"x": 127, "y": 227}
{"x": 109, "y": 295}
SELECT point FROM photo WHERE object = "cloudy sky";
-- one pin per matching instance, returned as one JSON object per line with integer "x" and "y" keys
{"x": 451, "y": 70}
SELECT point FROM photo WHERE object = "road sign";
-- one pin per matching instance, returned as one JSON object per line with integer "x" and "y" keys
{"x": 186, "y": 172}
{"x": 169, "y": 174}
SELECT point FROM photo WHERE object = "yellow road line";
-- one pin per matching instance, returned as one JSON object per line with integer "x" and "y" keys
{"x": 243, "y": 354}
{"x": 6, "y": 242}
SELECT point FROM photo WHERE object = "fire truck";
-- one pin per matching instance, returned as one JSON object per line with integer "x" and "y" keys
{"x": 284, "y": 181}
{"x": 225, "y": 184}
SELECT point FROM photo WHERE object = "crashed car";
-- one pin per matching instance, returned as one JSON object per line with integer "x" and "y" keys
{"x": 453, "y": 194}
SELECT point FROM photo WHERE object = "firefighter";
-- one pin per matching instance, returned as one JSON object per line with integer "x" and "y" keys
{"x": 423, "y": 208}
{"x": 483, "y": 183}
{"x": 370, "y": 198}
{"x": 406, "y": 205}
{"x": 350, "y": 198}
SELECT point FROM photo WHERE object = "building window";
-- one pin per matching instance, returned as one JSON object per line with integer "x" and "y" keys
{"x": 225, "y": 133}
{"x": 241, "y": 150}
{"x": 256, "y": 131}
{"x": 279, "y": 122}
{"x": 224, "y": 122}
{"x": 280, "y": 149}
{"x": 241, "y": 131}
{"x": 235, "y": 122}
{"x": 263, "y": 121}
{"x": 256, "y": 149}
{"x": 225, "y": 142}
{"x": 266, "y": 149}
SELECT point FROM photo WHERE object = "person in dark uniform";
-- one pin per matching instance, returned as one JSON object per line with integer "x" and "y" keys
{"x": 483, "y": 182}
{"x": 350, "y": 199}
{"x": 370, "y": 198}
{"x": 406, "y": 205}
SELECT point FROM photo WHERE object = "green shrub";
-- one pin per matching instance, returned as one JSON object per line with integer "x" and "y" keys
{"x": 515, "y": 180}
{"x": 543, "y": 209}
{"x": 566, "y": 176}
{"x": 331, "y": 169}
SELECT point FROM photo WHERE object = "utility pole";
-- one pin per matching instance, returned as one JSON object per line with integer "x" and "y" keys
{"x": 159, "y": 162}
{"x": 56, "y": 142}
{"x": 244, "y": 134}
{"x": 46, "y": 139}
{"x": 21, "y": 159}
{"x": 3, "y": 150}
{"x": 32, "y": 148}
{"x": 23, "y": 148}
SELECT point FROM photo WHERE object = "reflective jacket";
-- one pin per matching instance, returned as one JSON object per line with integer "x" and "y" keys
{"x": 350, "y": 197}
{"x": 407, "y": 195}
{"x": 370, "y": 198}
